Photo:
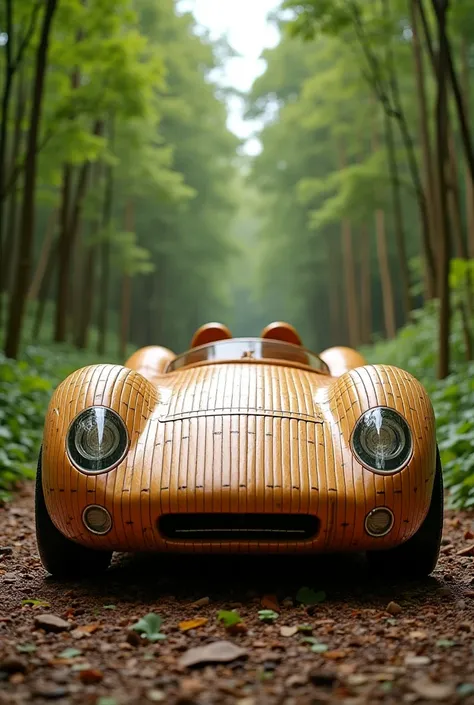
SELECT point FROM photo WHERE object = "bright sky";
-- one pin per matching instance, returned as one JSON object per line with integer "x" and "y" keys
{"x": 244, "y": 22}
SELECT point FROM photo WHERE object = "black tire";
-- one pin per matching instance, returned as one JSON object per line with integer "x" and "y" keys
{"x": 59, "y": 555}
{"x": 416, "y": 558}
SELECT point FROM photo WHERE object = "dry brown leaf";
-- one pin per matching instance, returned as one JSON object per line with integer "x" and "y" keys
{"x": 193, "y": 623}
{"x": 91, "y": 676}
{"x": 335, "y": 655}
{"x": 84, "y": 630}
{"x": 468, "y": 536}
{"x": 270, "y": 602}
{"x": 218, "y": 652}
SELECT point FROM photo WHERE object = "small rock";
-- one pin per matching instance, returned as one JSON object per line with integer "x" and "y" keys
{"x": 295, "y": 681}
{"x": 270, "y": 602}
{"x": 288, "y": 631}
{"x": 13, "y": 664}
{"x": 445, "y": 591}
{"x": 217, "y": 652}
{"x": 52, "y": 623}
{"x": 432, "y": 691}
{"x": 322, "y": 679}
{"x": 6, "y": 550}
{"x": 357, "y": 679}
{"x": 394, "y": 608}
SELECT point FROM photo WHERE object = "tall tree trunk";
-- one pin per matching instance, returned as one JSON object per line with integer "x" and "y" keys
{"x": 441, "y": 8}
{"x": 67, "y": 240}
{"x": 425, "y": 139}
{"x": 45, "y": 288}
{"x": 18, "y": 300}
{"x": 398, "y": 219}
{"x": 7, "y": 91}
{"x": 44, "y": 256}
{"x": 105, "y": 259}
{"x": 469, "y": 181}
{"x": 334, "y": 291}
{"x": 126, "y": 287}
{"x": 366, "y": 284}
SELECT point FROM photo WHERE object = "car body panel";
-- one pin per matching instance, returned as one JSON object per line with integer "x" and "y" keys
{"x": 242, "y": 438}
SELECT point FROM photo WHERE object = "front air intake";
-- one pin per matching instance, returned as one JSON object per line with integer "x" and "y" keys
{"x": 238, "y": 527}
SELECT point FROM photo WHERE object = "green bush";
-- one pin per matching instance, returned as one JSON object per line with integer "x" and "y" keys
{"x": 415, "y": 349}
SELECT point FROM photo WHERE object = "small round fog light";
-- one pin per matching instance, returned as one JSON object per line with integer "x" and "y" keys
{"x": 97, "y": 519}
{"x": 379, "y": 521}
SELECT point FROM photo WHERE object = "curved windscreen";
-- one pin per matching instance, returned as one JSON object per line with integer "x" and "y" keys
{"x": 247, "y": 349}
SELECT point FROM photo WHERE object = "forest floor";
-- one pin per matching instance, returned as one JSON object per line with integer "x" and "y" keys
{"x": 417, "y": 649}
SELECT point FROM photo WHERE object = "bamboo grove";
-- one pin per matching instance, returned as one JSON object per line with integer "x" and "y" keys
{"x": 114, "y": 161}
{"x": 367, "y": 167}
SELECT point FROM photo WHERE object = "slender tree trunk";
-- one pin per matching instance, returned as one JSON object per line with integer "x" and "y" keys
{"x": 469, "y": 181}
{"x": 6, "y": 97}
{"x": 425, "y": 139}
{"x": 105, "y": 259}
{"x": 87, "y": 298}
{"x": 442, "y": 158}
{"x": 44, "y": 256}
{"x": 126, "y": 287}
{"x": 398, "y": 219}
{"x": 18, "y": 300}
{"x": 366, "y": 284}
{"x": 335, "y": 312}
{"x": 45, "y": 288}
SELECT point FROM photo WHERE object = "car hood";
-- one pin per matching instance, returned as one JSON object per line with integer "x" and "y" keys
{"x": 247, "y": 389}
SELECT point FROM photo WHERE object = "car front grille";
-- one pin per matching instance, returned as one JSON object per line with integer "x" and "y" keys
{"x": 238, "y": 527}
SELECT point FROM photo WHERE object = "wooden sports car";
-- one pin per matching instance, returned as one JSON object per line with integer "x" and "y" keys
{"x": 240, "y": 445}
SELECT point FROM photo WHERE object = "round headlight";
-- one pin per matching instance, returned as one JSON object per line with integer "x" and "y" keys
{"x": 97, "y": 440}
{"x": 382, "y": 440}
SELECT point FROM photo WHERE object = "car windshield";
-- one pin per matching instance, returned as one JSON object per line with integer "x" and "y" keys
{"x": 247, "y": 349}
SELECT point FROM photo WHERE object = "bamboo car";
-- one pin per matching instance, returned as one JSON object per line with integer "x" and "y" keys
{"x": 240, "y": 445}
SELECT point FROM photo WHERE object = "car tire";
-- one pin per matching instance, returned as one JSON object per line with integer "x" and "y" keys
{"x": 417, "y": 557}
{"x": 59, "y": 555}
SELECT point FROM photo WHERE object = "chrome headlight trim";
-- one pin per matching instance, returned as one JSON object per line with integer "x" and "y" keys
{"x": 106, "y": 420}
{"x": 371, "y": 424}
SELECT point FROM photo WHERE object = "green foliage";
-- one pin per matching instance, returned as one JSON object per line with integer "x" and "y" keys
{"x": 149, "y": 627}
{"x": 414, "y": 350}
{"x": 229, "y": 618}
{"x": 268, "y": 615}
{"x": 308, "y": 596}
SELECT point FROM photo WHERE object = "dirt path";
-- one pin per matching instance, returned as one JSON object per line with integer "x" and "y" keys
{"x": 424, "y": 653}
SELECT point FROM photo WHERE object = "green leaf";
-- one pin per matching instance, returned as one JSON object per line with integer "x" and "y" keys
{"x": 229, "y": 618}
{"x": 70, "y": 652}
{"x": 310, "y": 597}
{"x": 149, "y": 627}
{"x": 268, "y": 615}
{"x": 26, "y": 648}
{"x": 465, "y": 689}
{"x": 445, "y": 643}
{"x": 105, "y": 700}
{"x": 110, "y": 607}
{"x": 34, "y": 603}
{"x": 316, "y": 646}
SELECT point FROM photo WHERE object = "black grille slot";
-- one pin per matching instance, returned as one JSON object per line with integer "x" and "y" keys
{"x": 238, "y": 527}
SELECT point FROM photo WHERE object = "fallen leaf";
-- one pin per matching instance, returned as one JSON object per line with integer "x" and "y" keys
{"x": 267, "y": 615}
{"x": 71, "y": 652}
{"x": 149, "y": 627}
{"x": 288, "y": 631}
{"x": 105, "y": 700}
{"x": 201, "y": 603}
{"x": 468, "y": 535}
{"x": 432, "y": 691}
{"x": 305, "y": 628}
{"x": 84, "y": 630}
{"x": 34, "y": 603}
{"x": 270, "y": 602}
{"x": 316, "y": 646}
{"x": 229, "y": 618}
{"x": 110, "y": 607}
{"x": 193, "y": 624}
{"x": 335, "y": 655}
{"x": 417, "y": 661}
{"x": 394, "y": 608}
{"x": 217, "y": 652}
{"x": 91, "y": 676}
{"x": 445, "y": 643}
{"x": 26, "y": 648}
{"x": 467, "y": 551}
{"x": 309, "y": 597}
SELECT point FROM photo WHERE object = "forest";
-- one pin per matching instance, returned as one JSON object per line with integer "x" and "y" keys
{"x": 130, "y": 215}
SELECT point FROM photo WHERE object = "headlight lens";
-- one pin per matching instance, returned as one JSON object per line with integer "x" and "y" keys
{"x": 97, "y": 440}
{"x": 382, "y": 440}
